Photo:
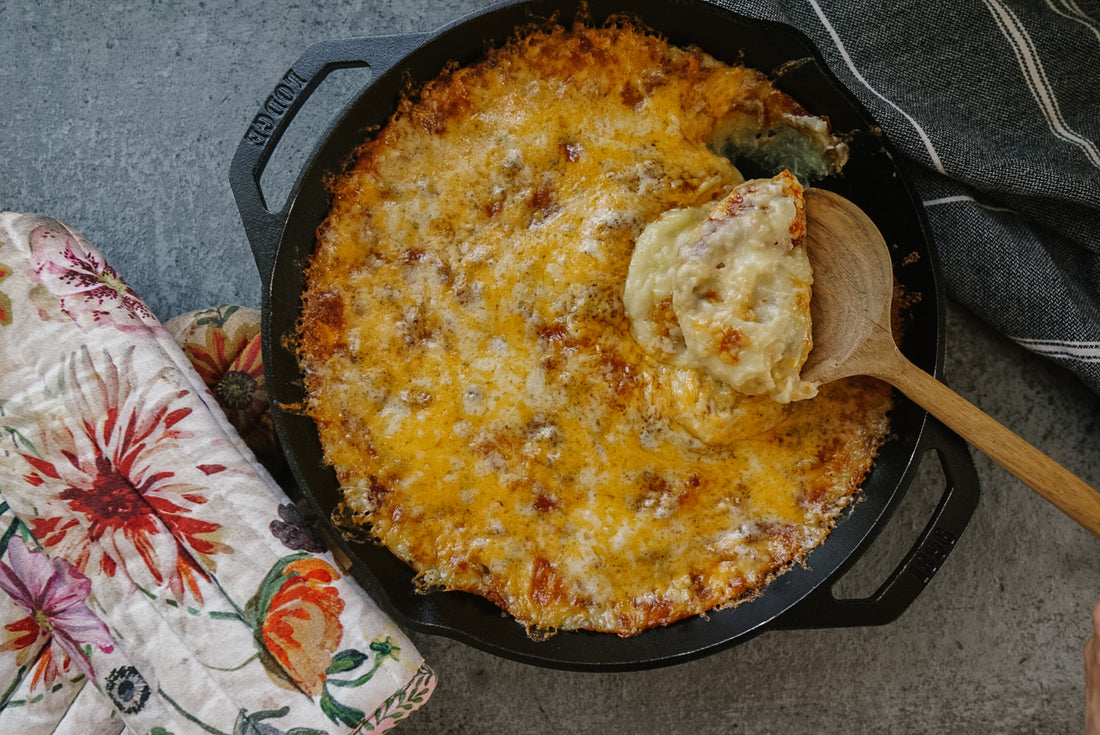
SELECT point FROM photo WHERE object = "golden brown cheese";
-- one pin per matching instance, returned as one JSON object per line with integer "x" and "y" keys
{"x": 471, "y": 369}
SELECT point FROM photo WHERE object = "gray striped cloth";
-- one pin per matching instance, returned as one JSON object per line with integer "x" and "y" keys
{"x": 995, "y": 106}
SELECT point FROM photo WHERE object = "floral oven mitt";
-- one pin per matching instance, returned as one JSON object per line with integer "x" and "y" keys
{"x": 153, "y": 577}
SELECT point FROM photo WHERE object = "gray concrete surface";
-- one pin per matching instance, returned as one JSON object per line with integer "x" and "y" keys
{"x": 121, "y": 119}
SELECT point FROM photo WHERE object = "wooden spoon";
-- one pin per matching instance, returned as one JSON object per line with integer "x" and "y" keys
{"x": 851, "y": 307}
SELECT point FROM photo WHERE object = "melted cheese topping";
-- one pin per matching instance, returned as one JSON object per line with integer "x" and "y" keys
{"x": 470, "y": 366}
{"x": 737, "y": 280}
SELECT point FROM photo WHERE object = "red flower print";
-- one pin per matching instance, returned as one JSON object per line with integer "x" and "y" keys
{"x": 91, "y": 292}
{"x": 59, "y": 622}
{"x": 108, "y": 468}
{"x": 297, "y": 611}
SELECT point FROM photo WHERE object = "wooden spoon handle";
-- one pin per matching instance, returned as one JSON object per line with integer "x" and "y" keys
{"x": 1054, "y": 482}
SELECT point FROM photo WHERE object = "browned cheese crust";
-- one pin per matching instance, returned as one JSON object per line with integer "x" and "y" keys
{"x": 472, "y": 372}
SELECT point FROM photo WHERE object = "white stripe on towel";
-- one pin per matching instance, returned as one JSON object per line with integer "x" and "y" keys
{"x": 1036, "y": 78}
{"x": 848, "y": 60}
{"x": 1070, "y": 349}
{"x": 1073, "y": 12}
{"x": 964, "y": 198}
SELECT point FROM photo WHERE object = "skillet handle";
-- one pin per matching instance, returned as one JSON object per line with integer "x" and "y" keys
{"x": 262, "y": 226}
{"x": 821, "y": 609}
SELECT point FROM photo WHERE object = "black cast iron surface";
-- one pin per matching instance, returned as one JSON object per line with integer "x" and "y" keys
{"x": 282, "y": 242}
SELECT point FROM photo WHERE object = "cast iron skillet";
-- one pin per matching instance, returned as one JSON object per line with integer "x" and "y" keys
{"x": 801, "y": 598}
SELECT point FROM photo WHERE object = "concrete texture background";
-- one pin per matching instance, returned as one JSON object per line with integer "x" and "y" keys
{"x": 121, "y": 118}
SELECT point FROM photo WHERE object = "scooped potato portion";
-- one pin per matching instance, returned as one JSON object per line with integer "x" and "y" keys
{"x": 726, "y": 289}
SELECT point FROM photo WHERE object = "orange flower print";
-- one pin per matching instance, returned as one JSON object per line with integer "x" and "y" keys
{"x": 241, "y": 391}
{"x": 224, "y": 345}
{"x": 106, "y": 474}
{"x": 209, "y": 342}
{"x": 296, "y": 614}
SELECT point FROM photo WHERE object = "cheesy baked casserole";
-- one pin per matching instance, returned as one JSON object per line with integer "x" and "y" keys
{"x": 478, "y": 386}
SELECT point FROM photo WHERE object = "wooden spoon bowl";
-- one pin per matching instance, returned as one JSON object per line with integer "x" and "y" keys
{"x": 851, "y": 308}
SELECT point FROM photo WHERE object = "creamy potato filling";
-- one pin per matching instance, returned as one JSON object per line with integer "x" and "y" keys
{"x": 726, "y": 289}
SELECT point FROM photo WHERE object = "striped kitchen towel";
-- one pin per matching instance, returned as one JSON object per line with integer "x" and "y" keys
{"x": 995, "y": 107}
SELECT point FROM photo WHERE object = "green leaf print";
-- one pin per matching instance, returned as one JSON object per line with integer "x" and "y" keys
{"x": 216, "y": 316}
{"x": 403, "y": 702}
{"x": 340, "y": 713}
{"x": 345, "y": 661}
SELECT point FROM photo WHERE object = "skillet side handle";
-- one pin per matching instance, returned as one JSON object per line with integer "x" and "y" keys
{"x": 821, "y": 609}
{"x": 262, "y": 226}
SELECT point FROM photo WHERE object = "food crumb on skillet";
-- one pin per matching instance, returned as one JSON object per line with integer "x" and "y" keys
{"x": 470, "y": 363}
